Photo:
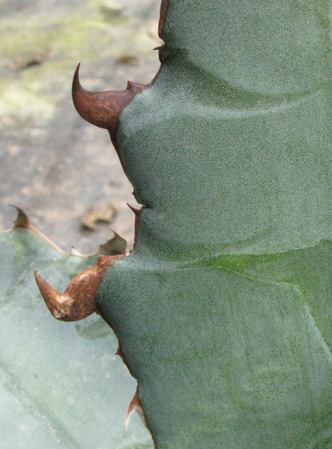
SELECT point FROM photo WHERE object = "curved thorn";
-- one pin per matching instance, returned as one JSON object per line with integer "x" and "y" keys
{"x": 79, "y": 299}
{"x": 135, "y": 406}
{"x": 55, "y": 301}
{"x": 102, "y": 109}
{"x": 22, "y": 220}
{"x": 136, "y": 211}
{"x": 116, "y": 245}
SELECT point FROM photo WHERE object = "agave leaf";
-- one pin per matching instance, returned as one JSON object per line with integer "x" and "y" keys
{"x": 61, "y": 385}
{"x": 223, "y": 311}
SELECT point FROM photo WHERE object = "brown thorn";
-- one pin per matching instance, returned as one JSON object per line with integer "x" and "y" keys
{"x": 120, "y": 353}
{"x": 78, "y": 301}
{"x": 136, "y": 88}
{"x": 137, "y": 213}
{"x": 22, "y": 221}
{"x": 114, "y": 246}
{"x": 160, "y": 47}
{"x": 135, "y": 406}
{"x": 162, "y": 20}
{"x": 103, "y": 109}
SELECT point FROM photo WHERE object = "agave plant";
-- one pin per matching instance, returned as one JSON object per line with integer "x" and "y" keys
{"x": 223, "y": 308}
{"x": 57, "y": 380}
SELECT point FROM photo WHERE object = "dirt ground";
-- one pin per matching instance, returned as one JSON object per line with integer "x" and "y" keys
{"x": 62, "y": 171}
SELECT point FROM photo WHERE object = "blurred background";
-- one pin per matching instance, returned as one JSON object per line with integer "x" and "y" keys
{"x": 62, "y": 171}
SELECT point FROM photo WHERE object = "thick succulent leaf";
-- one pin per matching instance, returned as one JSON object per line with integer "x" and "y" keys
{"x": 230, "y": 149}
{"x": 62, "y": 386}
{"x": 230, "y": 281}
{"x": 241, "y": 345}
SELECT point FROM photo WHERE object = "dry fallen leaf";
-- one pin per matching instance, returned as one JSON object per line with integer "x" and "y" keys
{"x": 103, "y": 213}
{"x": 25, "y": 63}
{"x": 127, "y": 59}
